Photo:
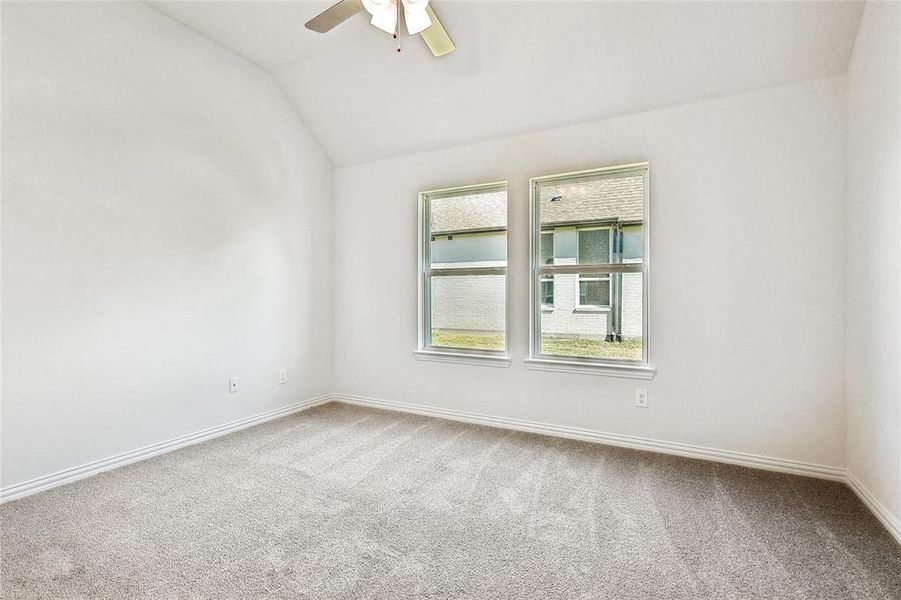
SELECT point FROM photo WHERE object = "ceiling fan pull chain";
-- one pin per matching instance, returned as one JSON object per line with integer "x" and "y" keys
{"x": 397, "y": 23}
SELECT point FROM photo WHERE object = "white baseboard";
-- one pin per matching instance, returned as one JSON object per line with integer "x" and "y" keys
{"x": 27, "y": 488}
{"x": 890, "y": 521}
{"x": 612, "y": 439}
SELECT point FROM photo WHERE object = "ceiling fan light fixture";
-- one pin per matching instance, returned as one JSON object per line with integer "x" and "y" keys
{"x": 384, "y": 14}
{"x": 416, "y": 16}
{"x": 387, "y": 23}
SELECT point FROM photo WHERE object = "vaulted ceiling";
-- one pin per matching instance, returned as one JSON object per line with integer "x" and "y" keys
{"x": 520, "y": 66}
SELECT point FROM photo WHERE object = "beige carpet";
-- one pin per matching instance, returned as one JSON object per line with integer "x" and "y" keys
{"x": 345, "y": 502}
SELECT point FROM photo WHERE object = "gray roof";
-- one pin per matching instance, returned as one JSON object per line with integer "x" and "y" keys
{"x": 473, "y": 212}
{"x": 609, "y": 198}
{"x": 603, "y": 199}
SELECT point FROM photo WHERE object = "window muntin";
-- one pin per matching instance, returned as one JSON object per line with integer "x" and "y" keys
{"x": 463, "y": 270}
{"x": 599, "y": 225}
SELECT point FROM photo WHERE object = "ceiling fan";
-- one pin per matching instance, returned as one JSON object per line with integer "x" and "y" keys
{"x": 387, "y": 16}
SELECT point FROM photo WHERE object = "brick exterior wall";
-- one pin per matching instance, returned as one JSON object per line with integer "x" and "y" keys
{"x": 632, "y": 305}
{"x": 474, "y": 303}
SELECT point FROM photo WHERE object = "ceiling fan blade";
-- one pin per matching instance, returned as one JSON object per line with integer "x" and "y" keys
{"x": 436, "y": 37}
{"x": 334, "y": 15}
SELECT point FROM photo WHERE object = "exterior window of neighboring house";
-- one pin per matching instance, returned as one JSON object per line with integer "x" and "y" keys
{"x": 547, "y": 248}
{"x": 594, "y": 247}
{"x": 594, "y": 292}
{"x": 463, "y": 273}
{"x": 589, "y": 257}
{"x": 547, "y": 291}
{"x": 547, "y": 258}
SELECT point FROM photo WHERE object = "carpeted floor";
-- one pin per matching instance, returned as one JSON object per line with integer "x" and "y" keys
{"x": 345, "y": 502}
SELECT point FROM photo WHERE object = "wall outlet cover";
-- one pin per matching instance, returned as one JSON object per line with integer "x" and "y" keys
{"x": 641, "y": 398}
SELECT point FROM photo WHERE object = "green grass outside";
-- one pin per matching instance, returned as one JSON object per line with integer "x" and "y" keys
{"x": 478, "y": 341}
{"x": 629, "y": 349}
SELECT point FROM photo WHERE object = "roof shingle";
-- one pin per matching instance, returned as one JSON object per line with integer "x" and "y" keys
{"x": 471, "y": 212}
{"x": 603, "y": 198}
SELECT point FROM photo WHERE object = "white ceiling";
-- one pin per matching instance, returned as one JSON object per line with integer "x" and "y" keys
{"x": 521, "y": 66}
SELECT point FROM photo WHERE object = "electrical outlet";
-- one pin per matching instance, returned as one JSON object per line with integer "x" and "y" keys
{"x": 641, "y": 398}
{"x": 282, "y": 376}
{"x": 232, "y": 385}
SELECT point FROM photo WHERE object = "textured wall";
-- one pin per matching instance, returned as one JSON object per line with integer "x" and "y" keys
{"x": 166, "y": 225}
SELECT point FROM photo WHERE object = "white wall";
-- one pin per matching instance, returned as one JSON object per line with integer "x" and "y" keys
{"x": 874, "y": 256}
{"x": 747, "y": 288}
{"x": 166, "y": 224}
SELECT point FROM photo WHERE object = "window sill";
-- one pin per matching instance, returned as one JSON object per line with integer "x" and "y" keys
{"x": 483, "y": 360}
{"x": 609, "y": 370}
{"x": 591, "y": 309}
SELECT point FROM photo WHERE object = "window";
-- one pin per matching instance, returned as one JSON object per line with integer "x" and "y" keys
{"x": 547, "y": 291}
{"x": 594, "y": 292}
{"x": 547, "y": 248}
{"x": 589, "y": 256}
{"x": 463, "y": 273}
{"x": 594, "y": 245}
{"x": 594, "y": 248}
{"x": 547, "y": 258}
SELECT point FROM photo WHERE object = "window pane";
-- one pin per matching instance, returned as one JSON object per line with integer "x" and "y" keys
{"x": 468, "y": 311}
{"x": 599, "y": 224}
{"x": 612, "y": 333}
{"x": 468, "y": 230}
{"x": 594, "y": 246}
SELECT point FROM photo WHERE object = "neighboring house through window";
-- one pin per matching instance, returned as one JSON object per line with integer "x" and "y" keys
{"x": 463, "y": 270}
{"x": 589, "y": 264}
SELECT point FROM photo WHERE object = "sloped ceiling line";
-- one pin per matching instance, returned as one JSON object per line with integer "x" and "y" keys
{"x": 520, "y": 66}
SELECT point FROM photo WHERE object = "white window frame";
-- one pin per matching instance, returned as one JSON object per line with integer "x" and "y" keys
{"x": 425, "y": 350}
{"x": 641, "y": 369}
{"x": 579, "y": 307}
